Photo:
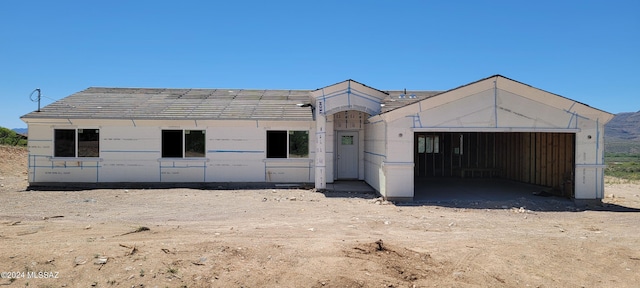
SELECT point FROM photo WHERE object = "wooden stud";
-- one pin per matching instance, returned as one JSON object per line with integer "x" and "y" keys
{"x": 562, "y": 165}
{"x": 549, "y": 170}
{"x": 571, "y": 160}
{"x": 520, "y": 156}
{"x": 512, "y": 155}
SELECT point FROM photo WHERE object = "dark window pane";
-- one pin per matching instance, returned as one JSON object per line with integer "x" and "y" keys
{"x": 433, "y": 144}
{"x": 347, "y": 140}
{"x": 64, "y": 143}
{"x": 436, "y": 144}
{"x": 88, "y": 143}
{"x": 299, "y": 144}
{"x": 172, "y": 143}
{"x": 429, "y": 143}
{"x": 194, "y": 143}
{"x": 276, "y": 144}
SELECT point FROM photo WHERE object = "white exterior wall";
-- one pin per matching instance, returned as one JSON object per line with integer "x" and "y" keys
{"x": 131, "y": 152}
{"x": 399, "y": 163}
{"x": 361, "y": 136}
{"x": 589, "y": 158}
{"x": 498, "y": 105}
{"x": 374, "y": 155}
{"x": 389, "y": 159}
{"x": 330, "y": 153}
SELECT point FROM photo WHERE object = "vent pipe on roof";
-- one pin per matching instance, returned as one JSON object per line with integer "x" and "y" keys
{"x": 403, "y": 94}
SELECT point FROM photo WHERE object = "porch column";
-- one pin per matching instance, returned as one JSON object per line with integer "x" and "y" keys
{"x": 320, "y": 163}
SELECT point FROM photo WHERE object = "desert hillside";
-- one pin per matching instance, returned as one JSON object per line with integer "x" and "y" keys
{"x": 622, "y": 133}
{"x": 624, "y": 126}
{"x": 13, "y": 167}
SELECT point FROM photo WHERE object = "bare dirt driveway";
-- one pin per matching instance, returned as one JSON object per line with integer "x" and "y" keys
{"x": 301, "y": 238}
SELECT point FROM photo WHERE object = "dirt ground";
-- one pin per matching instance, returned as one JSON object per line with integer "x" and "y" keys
{"x": 302, "y": 238}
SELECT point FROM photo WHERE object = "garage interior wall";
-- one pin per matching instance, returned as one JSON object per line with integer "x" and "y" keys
{"x": 545, "y": 159}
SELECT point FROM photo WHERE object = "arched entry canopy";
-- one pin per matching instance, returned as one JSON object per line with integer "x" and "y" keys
{"x": 339, "y": 97}
{"x": 348, "y": 95}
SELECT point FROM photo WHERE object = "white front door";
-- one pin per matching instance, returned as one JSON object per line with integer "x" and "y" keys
{"x": 347, "y": 156}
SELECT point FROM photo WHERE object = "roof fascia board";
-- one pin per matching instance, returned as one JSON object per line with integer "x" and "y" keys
{"x": 368, "y": 90}
{"x": 47, "y": 121}
{"x": 375, "y": 118}
{"x": 70, "y": 120}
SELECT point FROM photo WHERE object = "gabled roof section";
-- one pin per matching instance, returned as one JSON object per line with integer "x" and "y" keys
{"x": 499, "y": 84}
{"x": 348, "y": 95}
{"x": 157, "y": 104}
{"x": 353, "y": 81}
{"x": 388, "y": 100}
{"x": 436, "y": 93}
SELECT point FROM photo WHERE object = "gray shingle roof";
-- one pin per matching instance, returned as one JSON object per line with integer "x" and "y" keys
{"x": 149, "y": 103}
{"x": 397, "y": 99}
{"x": 232, "y": 104}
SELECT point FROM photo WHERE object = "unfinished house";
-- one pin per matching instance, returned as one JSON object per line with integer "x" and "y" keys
{"x": 398, "y": 142}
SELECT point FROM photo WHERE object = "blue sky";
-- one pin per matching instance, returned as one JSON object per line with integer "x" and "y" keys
{"x": 584, "y": 50}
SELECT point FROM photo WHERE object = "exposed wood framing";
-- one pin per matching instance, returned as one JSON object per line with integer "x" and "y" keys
{"x": 540, "y": 158}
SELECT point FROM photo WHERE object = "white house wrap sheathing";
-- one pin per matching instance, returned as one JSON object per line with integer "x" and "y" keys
{"x": 496, "y": 104}
{"x": 343, "y": 96}
{"x": 374, "y": 155}
{"x": 235, "y": 122}
{"x": 235, "y": 153}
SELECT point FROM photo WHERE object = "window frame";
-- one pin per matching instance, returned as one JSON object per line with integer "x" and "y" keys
{"x": 78, "y": 149}
{"x": 269, "y": 154}
{"x": 183, "y": 144}
{"x": 84, "y": 148}
{"x": 428, "y": 144}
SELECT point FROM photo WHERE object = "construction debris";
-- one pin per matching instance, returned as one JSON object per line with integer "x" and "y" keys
{"x": 140, "y": 229}
{"x": 132, "y": 249}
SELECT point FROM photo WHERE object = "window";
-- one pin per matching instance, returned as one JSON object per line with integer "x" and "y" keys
{"x": 171, "y": 143}
{"x": 347, "y": 140}
{"x": 173, "y": 140}
{"x": 428, "y": 144}
{"x": 76, "y": 143}
{"x": 88, "y": 143}
{"x": 276, "y": 144}
{"x": 194, "y": 143}
{"x": 64, "y": 143}
{"x": 298, "y": 144}
{"x": 459, "y": 150}
{"x": 287, "y": 144}
{"x": 433, "y": 144}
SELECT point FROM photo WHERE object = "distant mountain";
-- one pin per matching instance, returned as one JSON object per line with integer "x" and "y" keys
{"x": 20, "y": 130}
{"x": 622, "y": 133}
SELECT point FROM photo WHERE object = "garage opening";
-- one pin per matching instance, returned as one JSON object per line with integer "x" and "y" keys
{"x": 534, "y": 158}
